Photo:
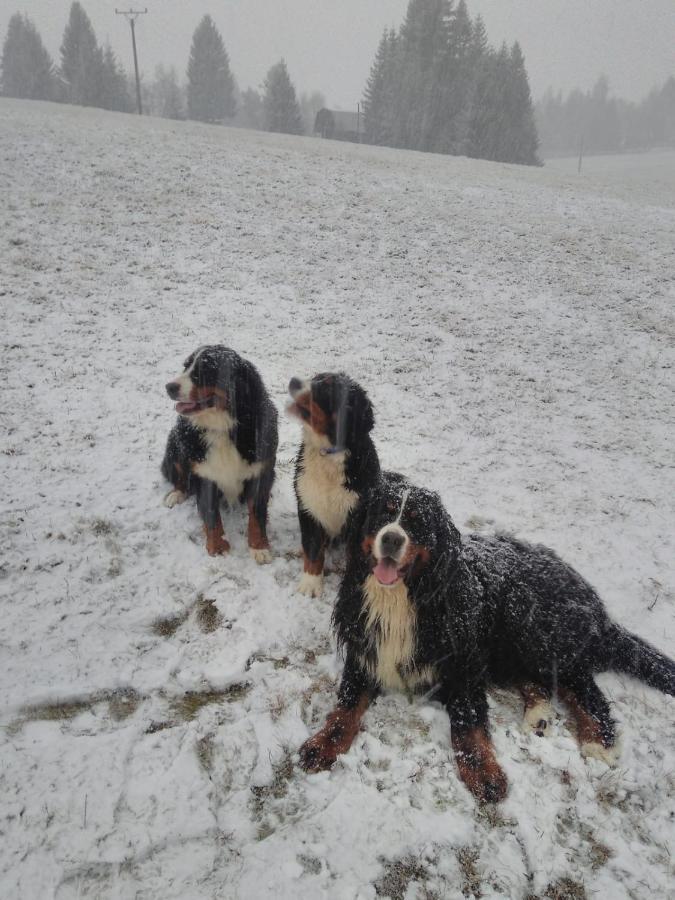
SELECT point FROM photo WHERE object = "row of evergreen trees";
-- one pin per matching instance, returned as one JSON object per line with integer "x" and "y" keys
{"x": 90, "y": 75}
{"x": 437, "y": 85}
{"x": 601, "y": 123}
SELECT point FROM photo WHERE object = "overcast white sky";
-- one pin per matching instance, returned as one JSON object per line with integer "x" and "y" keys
{"x": 329, "y": 44}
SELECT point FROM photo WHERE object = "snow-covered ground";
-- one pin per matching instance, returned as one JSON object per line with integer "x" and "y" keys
{"x": 514, "y": 328}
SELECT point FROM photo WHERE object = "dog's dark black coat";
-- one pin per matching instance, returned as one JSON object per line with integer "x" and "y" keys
{"x": 489, "y": 611}
{"x": 349, "y": 421}
{"x": 254, "y": 433}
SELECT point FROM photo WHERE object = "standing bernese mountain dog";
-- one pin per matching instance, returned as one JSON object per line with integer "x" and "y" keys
{"x": 420, "y": 605}
{"x": 223, "y": 445}
{"x": 336, "y": 463}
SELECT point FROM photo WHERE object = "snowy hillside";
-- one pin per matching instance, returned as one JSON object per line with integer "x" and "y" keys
{"x": 514, "y": 328}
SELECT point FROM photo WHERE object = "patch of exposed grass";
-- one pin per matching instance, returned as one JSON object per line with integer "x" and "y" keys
{"x": 167, "y": 626}
{"x": 278, "y": 662}
{"x": 467, "y": 857}
{"x": 102, "y": 527}
{"x": 207, "y": 615}
{"x": 397, "y": 876}
{"x": 187, "y": 706}
{"x": 282, "y": 772}
{"x": 123, "y": 703}
{"x": 205, "y": 751}
{"x": 310, "y": 864}
{"x": 57, "y": 711}
{"x": 565, "y": 889}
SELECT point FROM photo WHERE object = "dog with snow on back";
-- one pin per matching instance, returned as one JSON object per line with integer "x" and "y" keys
{"x": 336, "y": 463}
{"x": 223, "y": 446}
{"x": 421, "y": 606}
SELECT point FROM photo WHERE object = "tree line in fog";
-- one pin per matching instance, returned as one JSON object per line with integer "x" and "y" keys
{"x": 597, "y": 122}
{"x": 436, "y": 84}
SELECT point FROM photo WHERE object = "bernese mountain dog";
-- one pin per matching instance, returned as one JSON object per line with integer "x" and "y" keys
{"x": 421, "y": 606}
{"x": 336, "y": 463}
{"x": 224, "y": 444}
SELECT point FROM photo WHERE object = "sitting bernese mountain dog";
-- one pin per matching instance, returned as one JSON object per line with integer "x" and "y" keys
{"x": 420, "y": 605}
{"x": 224, "y": 444}
{"x": 336, "y": 462}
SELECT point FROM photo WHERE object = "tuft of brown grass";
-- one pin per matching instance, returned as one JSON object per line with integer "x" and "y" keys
{"x": 207, "y": 615}
{"x": 187, "y": 706}
{"x": 467, "y": 857}
{"x": 397, "y": 876}
{"x": 565, "y": 889}
{"x": 167, "y": 626}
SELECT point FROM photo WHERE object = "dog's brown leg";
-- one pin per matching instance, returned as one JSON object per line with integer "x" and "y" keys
{"x": 478, "y": 766}
{"x": 337, "y": 735}
{"x": 216, "y": 542}
{"x": 592, "y": 720}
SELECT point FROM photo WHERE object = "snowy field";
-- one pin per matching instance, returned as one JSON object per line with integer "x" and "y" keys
{"x": 514, "y": 328}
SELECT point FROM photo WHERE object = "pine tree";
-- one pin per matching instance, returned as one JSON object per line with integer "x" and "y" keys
{"x": 114, "y": 91}
{"x": 211, "y": 88}
{"x": 81, "y": 60}
{"x": 282, "y": 113}
{"x": 381, "y": 95}
{"x": 457, "y": 82}
{"x": 423, "y": 49}
{"x": 167, "y": 96}
{"x": 27, "y": 68}
{"x": 374, "y": 94}
{"x": 519, "y": 141}
{"x": 250, "y": 112}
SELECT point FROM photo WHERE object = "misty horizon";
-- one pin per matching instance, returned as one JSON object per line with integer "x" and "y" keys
{"x": 566, "y": 45}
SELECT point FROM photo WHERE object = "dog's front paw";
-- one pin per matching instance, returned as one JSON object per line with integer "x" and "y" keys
{"x": 318, "y": 754}
{"x": 595, "y": 750}
{"x": 487, "y": 783}
{"x": 261, "y": 556}
{"x": 217, "y": 545}
{"x": 537, "y": 718}
{"x": 311, "y": 585}
{"x": 173, "y": 498}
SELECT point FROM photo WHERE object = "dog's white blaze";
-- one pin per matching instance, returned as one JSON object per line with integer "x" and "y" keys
{"x": 404, "y": 500}
{"x": 377, "y": 545}
{"x": 391, "y": 610}
{"x": 185, "y": 381}
{"x": 321, "y": 488}
{"x": 224, "y": 465}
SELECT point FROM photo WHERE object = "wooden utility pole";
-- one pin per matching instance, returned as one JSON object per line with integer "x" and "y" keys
{"x": 131, "y": 16}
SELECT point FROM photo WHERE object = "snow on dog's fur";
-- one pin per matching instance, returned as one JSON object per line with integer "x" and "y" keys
{"x": 223, "y": 445}
{"x": 420, "y": 604}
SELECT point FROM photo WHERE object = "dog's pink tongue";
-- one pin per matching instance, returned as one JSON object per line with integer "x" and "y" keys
{"x": 386, "y": 571}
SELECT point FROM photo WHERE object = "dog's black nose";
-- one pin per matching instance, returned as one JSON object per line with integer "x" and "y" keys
{"x": 173, "y": 389}
{"x": 391, "y": 542}
{"x": 294, "y": 385}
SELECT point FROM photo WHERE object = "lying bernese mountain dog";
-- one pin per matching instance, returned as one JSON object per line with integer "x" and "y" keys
{"x": 336, "y": 463}
{"x": 420, "y": 605}
{"x": 223, "y": 445}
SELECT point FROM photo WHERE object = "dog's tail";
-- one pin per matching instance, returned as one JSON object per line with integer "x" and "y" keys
{"x": 630, "y": 654}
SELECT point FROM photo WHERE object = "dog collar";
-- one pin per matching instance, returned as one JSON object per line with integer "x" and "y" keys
{"x": 330, "y": 451}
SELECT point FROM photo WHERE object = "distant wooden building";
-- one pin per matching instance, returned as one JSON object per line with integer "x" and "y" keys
{"x": 339, "y": 125}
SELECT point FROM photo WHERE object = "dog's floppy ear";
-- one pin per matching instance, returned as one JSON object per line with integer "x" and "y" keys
{"x": 355, "y": 416}
{"x": 446, "y": 547}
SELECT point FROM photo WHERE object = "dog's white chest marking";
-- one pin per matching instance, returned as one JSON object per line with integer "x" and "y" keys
{"x": 225, "y": 466}
{"x": 322, "y": 491}
{"x": 391, "y": 614}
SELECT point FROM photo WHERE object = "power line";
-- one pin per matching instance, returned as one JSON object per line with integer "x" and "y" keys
{"x": 131, "y": 16}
